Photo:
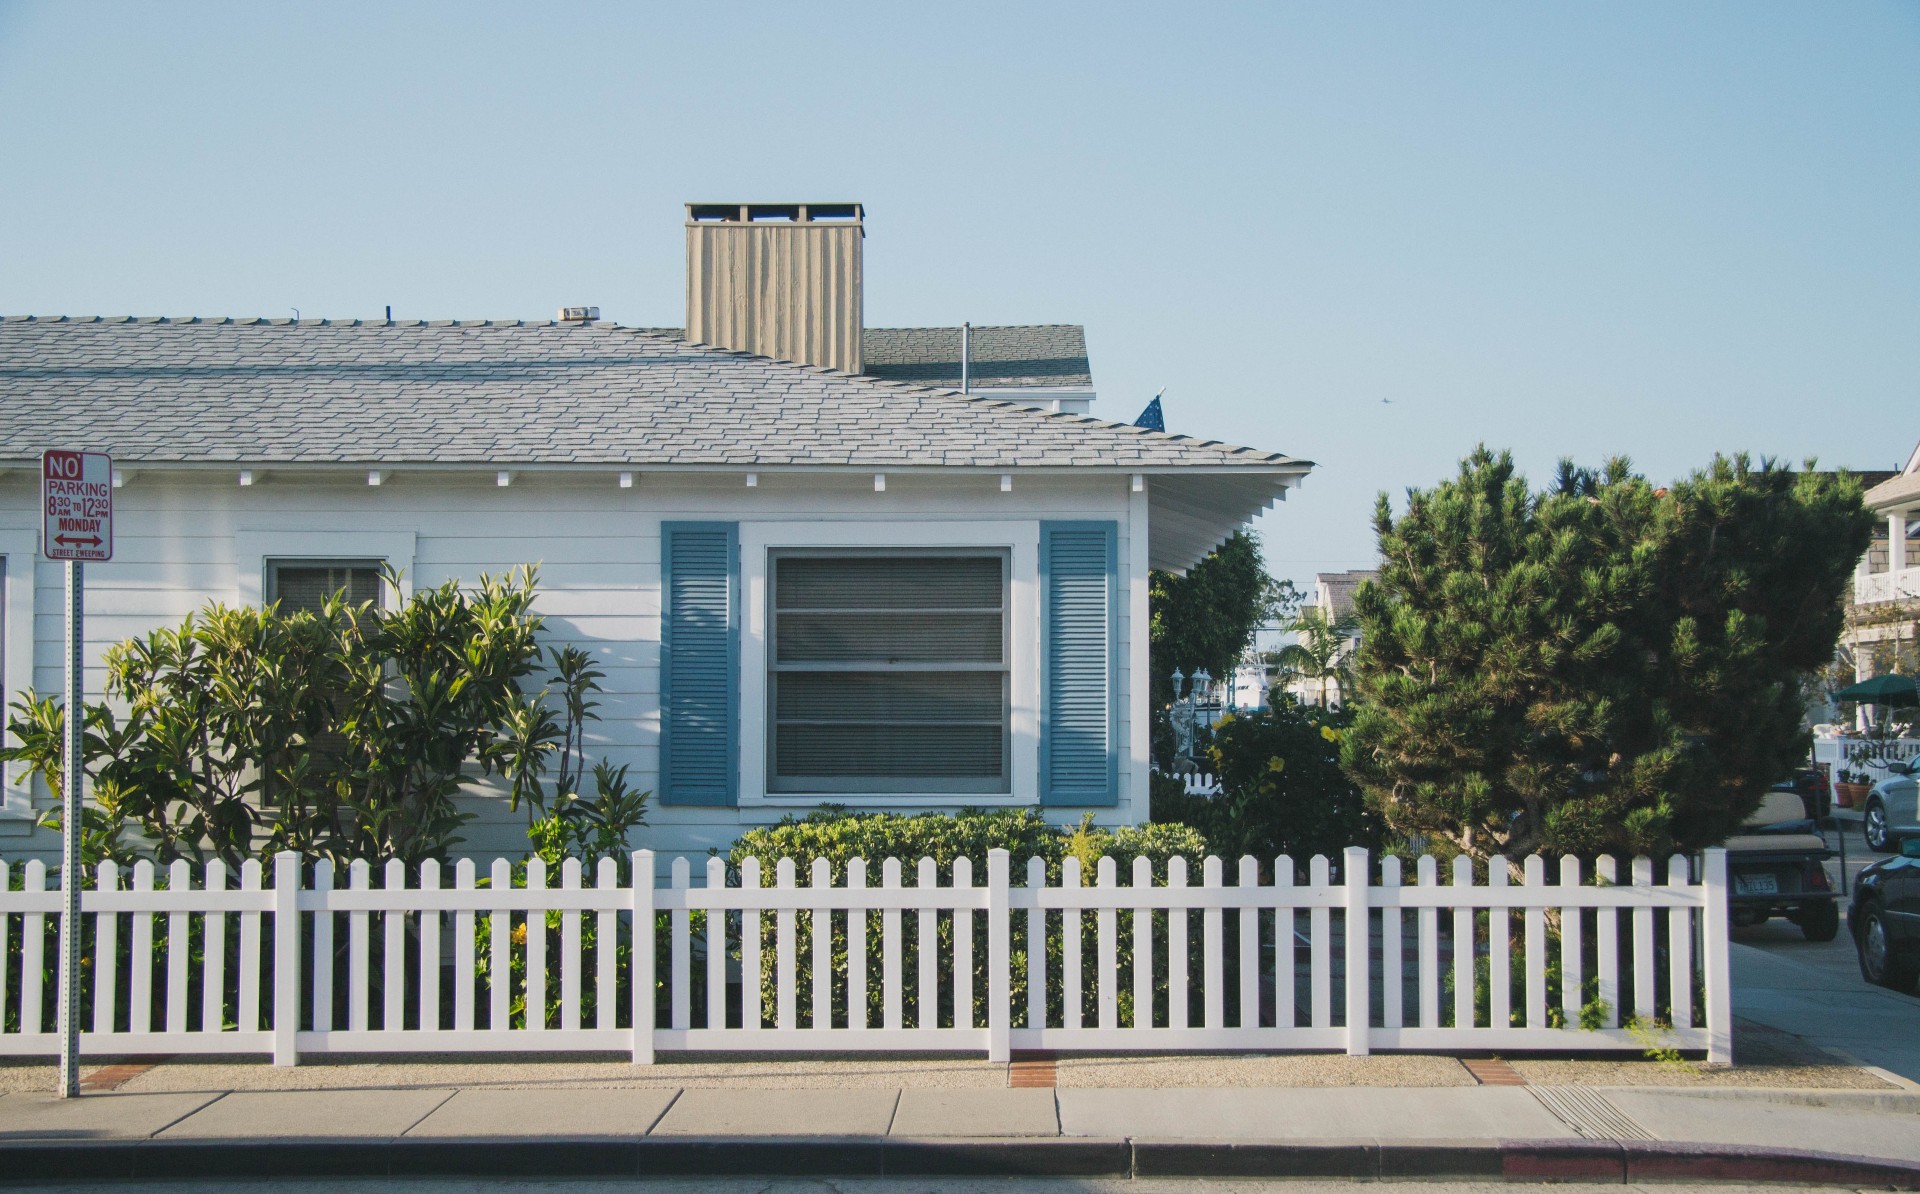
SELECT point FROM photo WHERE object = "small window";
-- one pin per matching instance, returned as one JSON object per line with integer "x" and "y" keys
{"x": 888, "y": 672}
{"x": 306, "y": 584}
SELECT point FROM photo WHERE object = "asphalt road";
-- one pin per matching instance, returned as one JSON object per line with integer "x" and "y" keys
{"x": 1815, "y": 991}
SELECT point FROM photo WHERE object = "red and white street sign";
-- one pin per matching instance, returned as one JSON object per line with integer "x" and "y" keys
{"x": 76, "y": 492}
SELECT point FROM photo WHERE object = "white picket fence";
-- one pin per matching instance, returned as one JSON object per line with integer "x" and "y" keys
{"x": 1356, "y": 961}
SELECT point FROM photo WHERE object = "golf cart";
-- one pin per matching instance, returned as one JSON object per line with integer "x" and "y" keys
{"x": 1777, "y": 863}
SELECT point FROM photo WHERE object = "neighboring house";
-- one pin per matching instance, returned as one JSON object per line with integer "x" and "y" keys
{"x": 1333, "y": 597}
{"x": 805, "y": 583}
{"x": 1883, "y": 613}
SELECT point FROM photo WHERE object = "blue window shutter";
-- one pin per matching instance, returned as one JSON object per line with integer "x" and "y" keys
{"x": 699, "y": 662}
{"x": 1079, "y": 664}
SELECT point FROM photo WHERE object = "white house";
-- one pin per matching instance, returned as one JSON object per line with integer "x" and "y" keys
{"x": 745, "y": 544}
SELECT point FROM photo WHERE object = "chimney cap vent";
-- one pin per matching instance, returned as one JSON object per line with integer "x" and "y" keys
{"x": 794, "y": 213}
{"x": 579, "y": 314}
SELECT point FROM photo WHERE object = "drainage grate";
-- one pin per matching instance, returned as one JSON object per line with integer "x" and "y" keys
{"x": 1589, "y": 1113}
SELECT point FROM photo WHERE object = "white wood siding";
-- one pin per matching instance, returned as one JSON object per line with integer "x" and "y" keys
{"x": 183, "y": 539}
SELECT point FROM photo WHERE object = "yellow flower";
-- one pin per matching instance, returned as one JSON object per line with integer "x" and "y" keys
{"x": 1329, "y": 733}
{"x": 520, "y": 934}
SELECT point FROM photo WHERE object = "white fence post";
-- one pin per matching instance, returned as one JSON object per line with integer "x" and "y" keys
{"x": 643, "y": 980}
{"x": 1715, "y": 957}
{"x": 999, "y": 957}
{"x": 286, "y": 958}
{"x": 1359, "y": 943}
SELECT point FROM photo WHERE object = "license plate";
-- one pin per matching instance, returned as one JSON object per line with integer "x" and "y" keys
{"x": 1756, "y": 885}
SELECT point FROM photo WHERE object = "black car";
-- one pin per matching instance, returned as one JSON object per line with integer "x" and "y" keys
{"x": 1885, "y": 919}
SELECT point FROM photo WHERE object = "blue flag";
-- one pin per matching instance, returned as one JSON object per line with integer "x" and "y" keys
{"x": 1150, "y": 417}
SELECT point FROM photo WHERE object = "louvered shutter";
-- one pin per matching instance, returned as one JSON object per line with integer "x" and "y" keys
{"x": 1079, "y": 663}
{"x": 699, "y": 662}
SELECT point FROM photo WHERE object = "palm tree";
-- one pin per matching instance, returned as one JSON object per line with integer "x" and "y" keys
{"x": 1319, "y": 653}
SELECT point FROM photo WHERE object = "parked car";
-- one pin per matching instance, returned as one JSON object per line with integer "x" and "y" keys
{"x": 1777, "y": 863}
{"x": 1884, "y": 919}
{"x": 1814, "y": 790}
{"x": 1893, "y": 808}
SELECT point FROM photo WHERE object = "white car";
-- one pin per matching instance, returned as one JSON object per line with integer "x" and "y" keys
{"x": 1893, "y": 808}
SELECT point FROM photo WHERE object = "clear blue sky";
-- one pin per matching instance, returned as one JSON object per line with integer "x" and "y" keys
{"x": 1370, "y": 235}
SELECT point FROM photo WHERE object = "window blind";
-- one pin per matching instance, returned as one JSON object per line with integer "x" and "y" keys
{"x": 888, "y": 673}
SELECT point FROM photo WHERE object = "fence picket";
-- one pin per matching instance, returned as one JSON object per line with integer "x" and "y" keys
{"x": 1679, "y": 949}
{"x": 962, "y": 948}
{"x": 1320, "y": 944}
{"x": 1286, "y": 935}
{"x": 6, "y": 947}
{"x": 393, "y": 953}
{"x": 1392, "y": 956}
{"x": 927, "y": 998}
{"x": 139, "y": 965}
{"x": 1250, "y": 944}
{"x": 606, "y": 952}
{"x": 249, "y": 952}
{"x": 680, "y": 947}
{"x": 106, "y": 950}
{"x": 1499, "y": 948}
{"x": 535, "y": 929}
{"x": 753, "y": 1007}
{"x": 500, "y": 945}
{"x": 1037, "y": 947}
{"x": 1643, "y": 952}
{"x": 359, "y": 879}
{"x": 784, "y": 962}
{"x": 1534, "y": 873}
{"x": 463, "y": 950}
{"x": 890, "y": 977}
{"x": 1463, "y": 947}
{"x": 1142, "y": 915}
{"x": 33, "y": 941}
{"x": 570, "y": 951}
{"x": 820, "y": 1014}
{"x": 323, "y": 948}
{"x": 643, "y": 994}
{"x": 1213, "y": 961}
{"x": 428, "y": 1013}
{"x": 1427, "y": 872}
{"x": 1177, "y": 992}
{"x": 857, "y": 949}
{"x": 1573, "y": 921}
{"x": 213, "y": 967}
{"x": 1107, "y": 940}
{"x": 1606, "y": 944}
{"x": 716, "y": 946}
{"x": 1071, "y": 926}
{"x": 179, "y": 933}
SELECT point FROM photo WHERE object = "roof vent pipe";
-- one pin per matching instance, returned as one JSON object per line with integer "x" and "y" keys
{"x": 966, "y": 357}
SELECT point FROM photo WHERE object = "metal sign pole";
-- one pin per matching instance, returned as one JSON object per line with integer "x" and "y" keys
{"x": 73, "y": 777}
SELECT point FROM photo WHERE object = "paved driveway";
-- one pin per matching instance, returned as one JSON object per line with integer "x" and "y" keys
{"x": 1784, "y": 981}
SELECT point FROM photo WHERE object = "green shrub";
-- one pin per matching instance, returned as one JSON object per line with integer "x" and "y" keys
{"x": 840, "y": 837}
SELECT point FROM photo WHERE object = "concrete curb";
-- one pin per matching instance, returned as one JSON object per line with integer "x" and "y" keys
{"x": 1610, "y": 1161}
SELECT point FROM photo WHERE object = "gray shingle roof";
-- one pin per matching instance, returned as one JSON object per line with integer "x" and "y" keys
{"x": 450, "y": 392}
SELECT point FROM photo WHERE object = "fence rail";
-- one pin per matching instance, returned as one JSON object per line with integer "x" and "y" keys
{"x": 1353, "y": 957}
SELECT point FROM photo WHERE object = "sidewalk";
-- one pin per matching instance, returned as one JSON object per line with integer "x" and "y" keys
{"x": 1809, "y": 1135}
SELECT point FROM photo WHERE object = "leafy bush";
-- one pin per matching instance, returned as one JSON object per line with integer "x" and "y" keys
{"x": 840, "y": 837}
{"x": 342, "y": 733}
{"x": 1283, "y": 789}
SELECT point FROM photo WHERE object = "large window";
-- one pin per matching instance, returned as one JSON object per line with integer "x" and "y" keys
{"x": 888, "y": 671}
{"x": 306, "y": 584}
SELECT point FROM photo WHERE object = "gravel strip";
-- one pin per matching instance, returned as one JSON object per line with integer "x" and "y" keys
{"x": 1639, "y": 1072}
{"x": 1266, "y": 1069}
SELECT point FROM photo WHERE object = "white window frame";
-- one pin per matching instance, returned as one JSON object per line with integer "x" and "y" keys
{"x": 255, "y": 551}
{"x": 20, "y": 551}
{"x": 1020, "y": 540}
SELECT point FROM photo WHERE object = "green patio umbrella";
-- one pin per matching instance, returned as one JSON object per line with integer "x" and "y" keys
{"x": 1890, "y": 689}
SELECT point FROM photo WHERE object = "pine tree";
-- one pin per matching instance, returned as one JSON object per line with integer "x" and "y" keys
{"x": 1602, "y": 666}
